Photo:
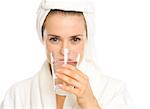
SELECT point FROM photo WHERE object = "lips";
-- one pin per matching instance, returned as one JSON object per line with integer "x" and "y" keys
{"x": 67, "y": 60}
{"x": 61, "y": 61}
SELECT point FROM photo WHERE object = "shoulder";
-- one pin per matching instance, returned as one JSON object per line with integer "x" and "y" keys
{"x": 22, "y": 89}
{"x": 102, "y": 85}
{"x": 18, "y": 91}
{"x": 114, "y": 93}
{"x": 19, "y": 88}
{"x": 112, "y": 83}
{"x": 106, "y": 84}
{"x": 15, "y": 93}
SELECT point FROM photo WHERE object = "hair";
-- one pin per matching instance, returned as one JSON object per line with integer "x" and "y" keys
{"x": 65, "y": 13}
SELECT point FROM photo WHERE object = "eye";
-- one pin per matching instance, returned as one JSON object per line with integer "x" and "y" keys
{"x": 75, "y": 39}
{"x": 54, "y": 40}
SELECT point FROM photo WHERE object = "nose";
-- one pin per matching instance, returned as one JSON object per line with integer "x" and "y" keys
{"x": 63, "y": 47}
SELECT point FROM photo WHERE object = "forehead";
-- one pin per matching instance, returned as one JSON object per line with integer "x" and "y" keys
{"x": 58, "y": 13}
{"x": 65, "y": 24}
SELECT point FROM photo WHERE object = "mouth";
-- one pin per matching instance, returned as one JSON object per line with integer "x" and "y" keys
{"x": 67, "y": 60}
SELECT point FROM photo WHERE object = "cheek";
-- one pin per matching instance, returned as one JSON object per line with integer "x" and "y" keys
{"x": 78, "y": 50}
{"x": 78, "y": 47}
{"x": 51, "y": 47}
{"x": 82, "y": 50}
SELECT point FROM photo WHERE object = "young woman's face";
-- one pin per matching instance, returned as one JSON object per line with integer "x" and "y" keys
{"x": 65, "y": 31}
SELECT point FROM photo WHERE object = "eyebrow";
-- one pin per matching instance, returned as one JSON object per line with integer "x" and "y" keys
{"x": 69, "y": 36}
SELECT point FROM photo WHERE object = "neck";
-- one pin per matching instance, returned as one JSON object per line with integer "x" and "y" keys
{"x": 60, "y": 101}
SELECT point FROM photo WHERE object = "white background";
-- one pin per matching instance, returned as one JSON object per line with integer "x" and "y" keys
{"x": 122, "y": 41}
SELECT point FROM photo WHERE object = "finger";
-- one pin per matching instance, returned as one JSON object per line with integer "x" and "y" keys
{"x": 73, "y": 90}
{"x": 76, "y": 74}
{"x": 71, "y": 67}
{"x": 73, "y": 74}
{"x": 68, "y": 80}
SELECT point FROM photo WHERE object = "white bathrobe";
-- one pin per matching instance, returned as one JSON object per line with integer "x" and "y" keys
{"x": 37, "y": 92}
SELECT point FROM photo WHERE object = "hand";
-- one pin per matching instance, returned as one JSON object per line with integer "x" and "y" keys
{"x": 78, "y": 85}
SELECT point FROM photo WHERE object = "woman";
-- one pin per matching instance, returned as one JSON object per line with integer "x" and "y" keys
{"x": 63, "y": 24}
